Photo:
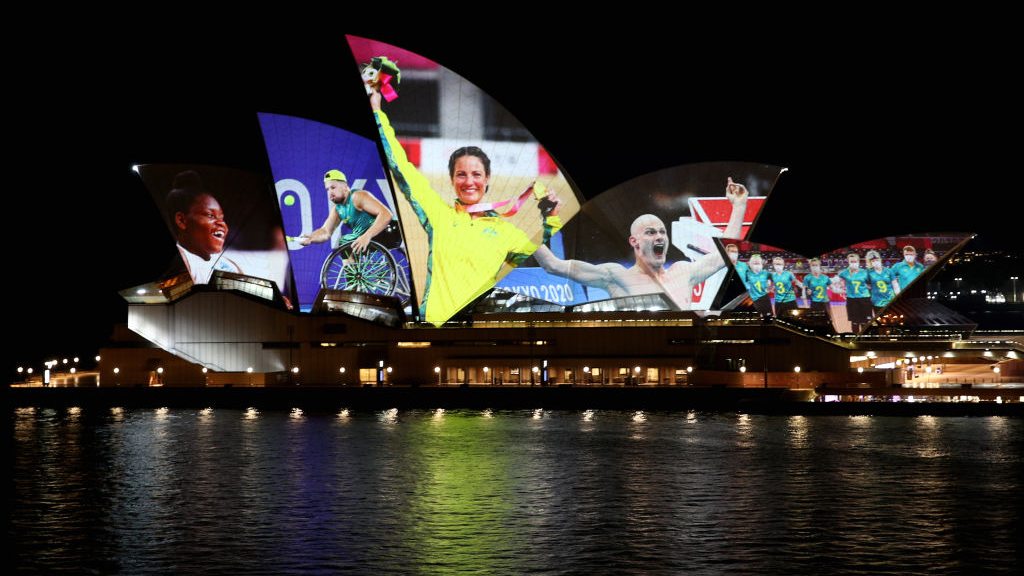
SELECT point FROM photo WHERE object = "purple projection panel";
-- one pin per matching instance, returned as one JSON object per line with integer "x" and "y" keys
{"x": 301, "y": 153}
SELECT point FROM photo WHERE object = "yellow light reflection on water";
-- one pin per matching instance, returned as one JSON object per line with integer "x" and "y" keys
{"x": 464, "y": 501}
{"x": 798, "y": 431}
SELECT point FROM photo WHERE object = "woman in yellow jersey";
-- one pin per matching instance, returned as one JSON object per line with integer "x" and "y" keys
{"x": 469, "y": 242}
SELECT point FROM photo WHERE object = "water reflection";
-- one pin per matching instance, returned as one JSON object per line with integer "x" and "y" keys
{"x": 389, "y": 416}
{"x": 140, "y": 492}
{"x": 797, "y": 426}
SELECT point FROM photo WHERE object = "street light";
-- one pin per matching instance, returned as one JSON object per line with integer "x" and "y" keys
{"x": 437, "y": 370}
{"x": 1014, "y": 280}
{"x": 487, "y": 372}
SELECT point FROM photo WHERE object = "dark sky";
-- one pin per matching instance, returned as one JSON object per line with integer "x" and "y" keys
{"x": 884, "y": 131}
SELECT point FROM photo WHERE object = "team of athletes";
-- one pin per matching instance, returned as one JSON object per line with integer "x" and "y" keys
{"x": 868, "y": 290}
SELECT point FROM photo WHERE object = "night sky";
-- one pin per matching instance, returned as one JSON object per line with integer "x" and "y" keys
{"x": 883, "y": 133}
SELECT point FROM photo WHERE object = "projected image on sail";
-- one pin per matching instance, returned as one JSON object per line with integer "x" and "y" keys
{"x": 852, "y": 286}
{"x": 222, "y": 219}
{"x": 476, "y": 193}
{"x": 338, "y": 211}
{"x": 653, "y": 235}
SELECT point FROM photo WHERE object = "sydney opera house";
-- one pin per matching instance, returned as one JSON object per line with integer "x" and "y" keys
{"x": 452, "y": 249}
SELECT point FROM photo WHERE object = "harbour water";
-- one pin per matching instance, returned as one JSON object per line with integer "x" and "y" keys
{"x": 510, "y": 492}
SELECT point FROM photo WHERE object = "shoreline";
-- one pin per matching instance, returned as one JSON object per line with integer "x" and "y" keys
{"x": 331, "y": 400}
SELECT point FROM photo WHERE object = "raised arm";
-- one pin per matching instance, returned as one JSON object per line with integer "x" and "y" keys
{"x": 413, "y": 185}
{"x": 323, "y": 233}
{"x": 712, "y": 261}
{"x": 737, "y": 195}
{"x": 366, "y": 202}
{"x": 596, "y": 275}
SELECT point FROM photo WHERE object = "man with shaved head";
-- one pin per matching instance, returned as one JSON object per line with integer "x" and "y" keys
{"x": 648, "y": 275}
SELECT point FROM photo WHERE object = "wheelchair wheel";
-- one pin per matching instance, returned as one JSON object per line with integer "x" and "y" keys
{"x": 373, "y": 271}
{"x": 402, "y": 289}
